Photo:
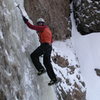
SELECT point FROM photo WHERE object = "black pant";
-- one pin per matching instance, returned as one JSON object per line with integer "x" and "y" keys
{"x": 45, "y": 50}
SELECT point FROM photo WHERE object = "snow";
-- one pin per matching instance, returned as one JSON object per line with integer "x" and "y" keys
{"x": 65, "y": 50}
{"x": 1, "y": 35}
{"x": 46, "y": 92}
{"x": 23, "y": 49}
{"x": 89, "y": 1}
{"x": 9, "y": 57}
{"x": 7, "y": 73}
{"x": 88, "y": 52}
{"x": 97, "y": 11}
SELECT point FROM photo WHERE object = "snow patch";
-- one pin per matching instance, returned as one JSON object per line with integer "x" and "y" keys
{"x": 89, "y": 1}
{"x": 1, "y": 35}
{"x": 65, "y": 50}
{"x": 10, "y": 58}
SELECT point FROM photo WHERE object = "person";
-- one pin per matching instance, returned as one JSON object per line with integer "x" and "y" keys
{"x": 45, "y": 48}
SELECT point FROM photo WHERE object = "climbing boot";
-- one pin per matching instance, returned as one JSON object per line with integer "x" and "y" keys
{"x": 54, "y": 81}
{"x": 42, "y": 71}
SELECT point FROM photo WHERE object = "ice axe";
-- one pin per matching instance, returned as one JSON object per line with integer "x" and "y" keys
{"x": 20, "y": 9}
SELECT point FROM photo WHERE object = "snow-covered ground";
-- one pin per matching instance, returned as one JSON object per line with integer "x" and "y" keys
{"x": 65, "y": 49}
{"x": 88, "y": 52}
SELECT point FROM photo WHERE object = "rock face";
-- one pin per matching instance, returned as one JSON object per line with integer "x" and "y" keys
{"x": 55, "y": 12}
{"x": 87, "y": 15}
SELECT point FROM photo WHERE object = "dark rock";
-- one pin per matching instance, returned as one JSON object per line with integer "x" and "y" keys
{"x": 87, "y": 16}
{"x": 97, "y": 71}
{"x": 60, "y": 61}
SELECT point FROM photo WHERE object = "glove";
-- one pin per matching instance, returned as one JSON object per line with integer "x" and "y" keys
{"x": 25, "y": 19}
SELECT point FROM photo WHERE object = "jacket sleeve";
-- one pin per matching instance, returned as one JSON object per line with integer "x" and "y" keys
{"x": 35, "y": 27}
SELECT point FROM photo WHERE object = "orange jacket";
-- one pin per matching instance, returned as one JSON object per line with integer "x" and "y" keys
{"x": 45, "y": 33}
{"x": 46, "y": 36}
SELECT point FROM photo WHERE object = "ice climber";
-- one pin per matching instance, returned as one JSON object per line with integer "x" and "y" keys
{"x": 45, "y": 48}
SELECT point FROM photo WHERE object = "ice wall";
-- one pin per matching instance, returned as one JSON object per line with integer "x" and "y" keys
{"x": 18, "y": 80}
